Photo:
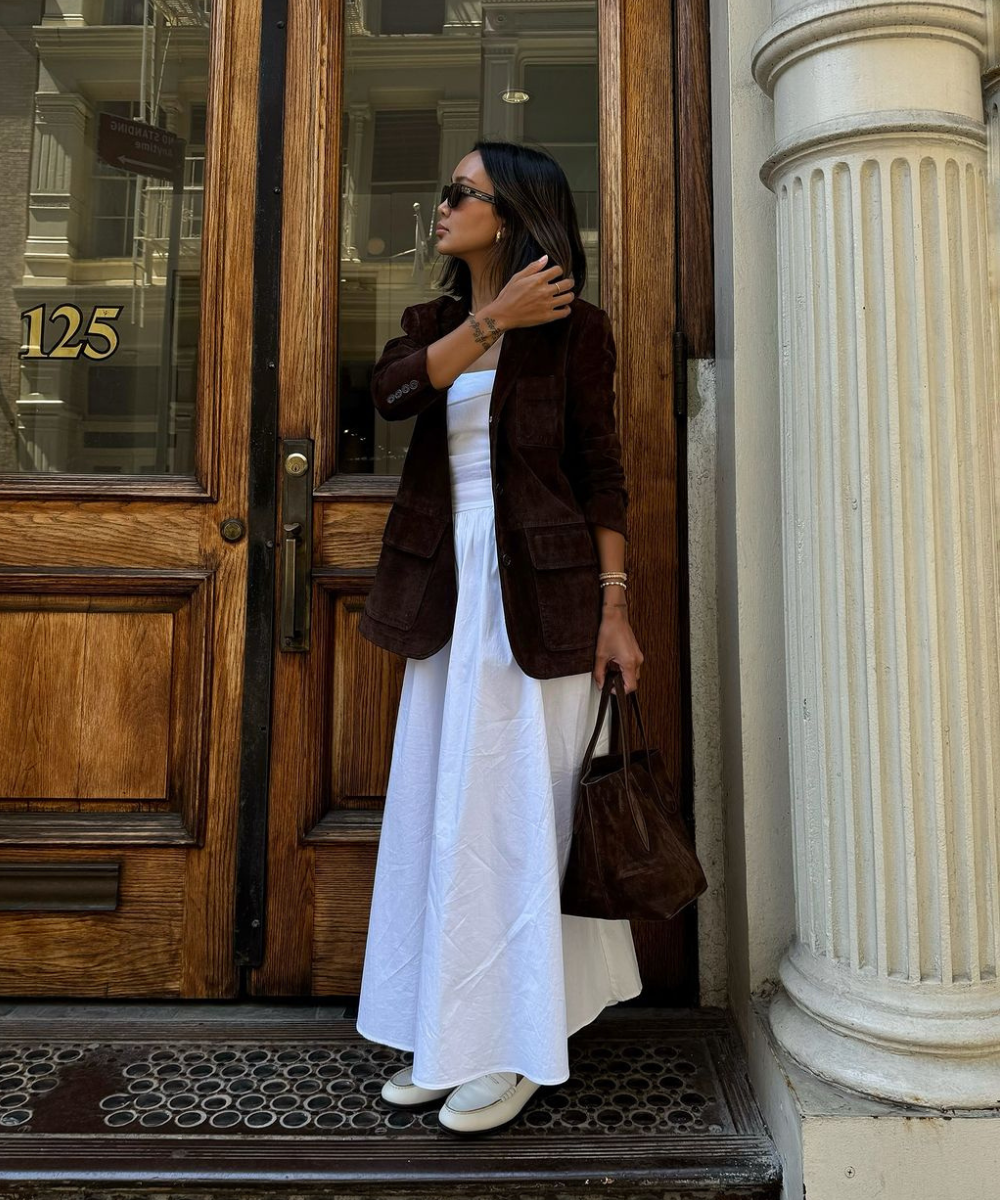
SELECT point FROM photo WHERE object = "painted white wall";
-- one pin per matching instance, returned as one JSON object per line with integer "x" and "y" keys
{"x": 760, "y": 897}
{"x": 710, "y": 836}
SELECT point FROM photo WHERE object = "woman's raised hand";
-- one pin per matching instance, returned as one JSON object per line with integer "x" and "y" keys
{"x": 532, "y": 296}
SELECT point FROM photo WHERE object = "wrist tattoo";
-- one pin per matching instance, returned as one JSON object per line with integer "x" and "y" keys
{"x": 485, "y": 339}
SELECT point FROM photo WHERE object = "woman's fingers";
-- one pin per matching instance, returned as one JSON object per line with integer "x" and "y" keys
{"x": 630, "y": 680}
{"x": 629, "y": 672}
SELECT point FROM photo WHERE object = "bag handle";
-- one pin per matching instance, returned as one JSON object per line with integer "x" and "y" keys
{"x": 637, "y": 818}
{"x": 633, "y": 696}
{"x": 612, "y": 673}
{"x": 609, "y": 679}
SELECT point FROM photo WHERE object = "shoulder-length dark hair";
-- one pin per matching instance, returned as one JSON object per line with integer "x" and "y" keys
{"x": 534, "y": 201}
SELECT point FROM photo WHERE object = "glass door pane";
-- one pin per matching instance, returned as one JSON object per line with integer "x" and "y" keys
{"x": 424, "y": 79}
{"x": 103, "y": 115}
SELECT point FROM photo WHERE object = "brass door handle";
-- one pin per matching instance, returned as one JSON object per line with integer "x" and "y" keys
{"x": 296, "y": 543}
{"x": 289, "y": 570}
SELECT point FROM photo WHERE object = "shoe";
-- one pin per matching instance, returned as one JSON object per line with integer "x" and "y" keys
{"x": 400, "y": 1091}
{"x": 486, "y": 1103}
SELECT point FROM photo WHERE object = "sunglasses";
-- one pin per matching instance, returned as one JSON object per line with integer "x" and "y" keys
{"x": 453, "y": 193}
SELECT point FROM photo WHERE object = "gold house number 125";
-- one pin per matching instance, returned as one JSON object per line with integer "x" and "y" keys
{"x": 97, "y": 326}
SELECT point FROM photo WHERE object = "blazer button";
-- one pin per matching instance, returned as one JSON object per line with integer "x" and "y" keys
{"x": 405, "y": 387}
{"x": 499, "y": 489}
{"x": 413, "y": 383}
{"x": 505, "y": 559}
{"x": 491, "y": 420}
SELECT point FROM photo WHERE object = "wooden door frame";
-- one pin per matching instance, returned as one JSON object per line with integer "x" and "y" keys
{"x": 644, "y": 165}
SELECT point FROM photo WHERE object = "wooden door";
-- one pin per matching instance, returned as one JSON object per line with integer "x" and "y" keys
{"x": 126, "y": 384}
{"x": 381, "y": 103}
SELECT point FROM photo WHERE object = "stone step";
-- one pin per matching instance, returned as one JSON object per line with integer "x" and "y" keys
{"x": 283, "y": 1100}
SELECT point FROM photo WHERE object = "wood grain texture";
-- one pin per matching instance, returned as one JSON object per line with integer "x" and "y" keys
{"x": 639, "y": 290}
{"x": 311, "y": 227}
{"x": 109, "y": 714}
{"x": 125, "y": 706}
{"x": 141, "y": 573}
{"x": 360, "y": 730}
{"x": 695, "y": 260}
{"x": 351, "y": 533}
{"x": 344, "y": 882}
{"x": 41, "y": 662}
{"x": 135, "y": 950}
{"x": 225, "y": 361}
{"x": 83, "y": 533}
{"x": 301, "y": 692}
{"x": 94, "y": 825}
{"x": 90, "y": 717}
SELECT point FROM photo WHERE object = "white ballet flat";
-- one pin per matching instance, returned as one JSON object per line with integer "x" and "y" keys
{"x": 400, "y": 1091}
{"x": 487, "y": 1102}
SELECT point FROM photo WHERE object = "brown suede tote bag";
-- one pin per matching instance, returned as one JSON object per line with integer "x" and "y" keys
{"x": 632, "y": 855}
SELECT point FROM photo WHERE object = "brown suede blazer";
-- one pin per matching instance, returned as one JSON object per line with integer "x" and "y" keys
{"x": 556, "y": 467}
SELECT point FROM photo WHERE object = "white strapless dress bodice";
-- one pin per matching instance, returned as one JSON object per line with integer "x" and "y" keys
{"x": 468, "y": 439}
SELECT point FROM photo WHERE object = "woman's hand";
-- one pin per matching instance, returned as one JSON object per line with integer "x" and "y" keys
{"x": 531, "y": 297}
{"x": 615, "y": 640}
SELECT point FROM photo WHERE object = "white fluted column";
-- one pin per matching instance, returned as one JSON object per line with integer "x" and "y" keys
{"x": 890, "y": 482}
{"x": 355, "y": 211}
{"x": 56, "y": 211}
{"x": 991, "y": 99}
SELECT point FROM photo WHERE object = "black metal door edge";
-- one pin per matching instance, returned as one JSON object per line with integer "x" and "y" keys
{"x": 255, "y": 736}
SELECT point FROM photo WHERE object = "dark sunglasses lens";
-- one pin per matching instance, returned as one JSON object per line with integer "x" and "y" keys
{"x": 452, "y": 194}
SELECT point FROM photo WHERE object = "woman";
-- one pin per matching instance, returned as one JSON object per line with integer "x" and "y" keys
{"x": 507, "y": 627}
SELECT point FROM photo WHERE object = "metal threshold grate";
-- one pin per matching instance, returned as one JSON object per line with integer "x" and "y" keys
{"x": 658, "y": 1103}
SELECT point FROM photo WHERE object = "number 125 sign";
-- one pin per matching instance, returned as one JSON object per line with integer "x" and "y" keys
{"x": 97, "y": 326}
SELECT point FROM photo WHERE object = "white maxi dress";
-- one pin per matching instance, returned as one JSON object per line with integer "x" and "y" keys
{"x": 469, "y": 962}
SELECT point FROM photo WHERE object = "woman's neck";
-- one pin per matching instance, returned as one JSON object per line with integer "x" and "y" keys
{"x": 482, "y": 293}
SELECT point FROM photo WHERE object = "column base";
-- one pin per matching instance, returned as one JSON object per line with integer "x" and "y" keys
{"x": 835, "y": 1143}
{"x": 930, "y": 1045}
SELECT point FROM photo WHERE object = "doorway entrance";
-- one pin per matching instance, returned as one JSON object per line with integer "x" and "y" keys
{"x": 222, "y": 210}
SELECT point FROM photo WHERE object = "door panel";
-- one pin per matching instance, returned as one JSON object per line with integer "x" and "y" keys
{"x": 84, "y": 695}
{"x": 369, "y": 140}
{"x": 122, "y": 606}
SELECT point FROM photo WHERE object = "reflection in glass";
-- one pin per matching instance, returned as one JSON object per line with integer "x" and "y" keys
{"x": 103, "y": 119}
{"x": 424, "y": 79}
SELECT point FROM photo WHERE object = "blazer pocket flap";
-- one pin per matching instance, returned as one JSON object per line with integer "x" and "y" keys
{"x": 413, "y": 532}
{"x": 561, "y": 546}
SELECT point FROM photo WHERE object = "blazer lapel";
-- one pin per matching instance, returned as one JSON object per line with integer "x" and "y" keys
{"x": 514, "y": 349}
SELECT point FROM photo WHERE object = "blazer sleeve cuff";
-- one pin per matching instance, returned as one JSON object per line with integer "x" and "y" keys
{"x": 607, "y": 509}
{"x": 400, "y": 386}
